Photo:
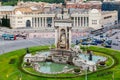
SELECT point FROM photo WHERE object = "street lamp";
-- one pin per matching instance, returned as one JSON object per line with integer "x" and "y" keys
{"x": 86, "y": 76}
{"x": 114, "y": 74}
{"x": 14, "y": 73}
{"x": 50, "y": 45}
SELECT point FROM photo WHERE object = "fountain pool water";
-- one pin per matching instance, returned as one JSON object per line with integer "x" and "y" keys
{"x": 95, "y": 58}
{"x": 51, "y": 67}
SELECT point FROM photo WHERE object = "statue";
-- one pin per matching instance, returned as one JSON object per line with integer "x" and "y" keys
{"x": 77, "y": 42}
{"x": 90, "y": 56}
{"x": 27, "y": 50}
{"x": 62, "y": 43}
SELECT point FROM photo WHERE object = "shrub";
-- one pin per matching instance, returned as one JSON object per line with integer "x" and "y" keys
{"x": 77, "y": 70}
{"x": 12, "y": 61}
{"x": 102, "y": 63}
{"x": 27, "y": 63}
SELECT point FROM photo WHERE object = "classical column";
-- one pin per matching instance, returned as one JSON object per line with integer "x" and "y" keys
{"x": 83, "y": 21}
{"x": 45, "y": 22}
{"x": 87, "y": 21}
{"x": 66, "y": 43}
{"x": 32, "y": 22}
{"x": 52, "y": 21}
{"x": 80, "y": 21}
{"x": 70, "y": 37}
{"x": 42, "y": 21}
{"x": 36, "y": 22}
{"x": 77, "y": 21}
{"x": 56, "y": 36}
{"x": 74, "y": 22}
{"x": 39, "y": 22}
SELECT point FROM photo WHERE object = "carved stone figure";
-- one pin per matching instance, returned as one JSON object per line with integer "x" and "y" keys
{"x": 62, "y": 41}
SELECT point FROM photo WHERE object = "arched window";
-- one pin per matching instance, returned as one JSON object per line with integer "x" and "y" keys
{"x": 28, "y": 23}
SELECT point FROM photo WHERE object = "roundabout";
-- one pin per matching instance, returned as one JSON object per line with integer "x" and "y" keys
{"x": 38, "y": 63}
{"x": 11, "y": 62}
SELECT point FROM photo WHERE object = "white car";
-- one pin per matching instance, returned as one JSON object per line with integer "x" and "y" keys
{"x": 119, "y": 40}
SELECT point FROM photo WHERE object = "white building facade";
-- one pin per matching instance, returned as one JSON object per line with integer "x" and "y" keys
{"x": 82, "y": 19}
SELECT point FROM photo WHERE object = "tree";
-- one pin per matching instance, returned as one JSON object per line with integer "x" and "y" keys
{"x": 5, "y": 22}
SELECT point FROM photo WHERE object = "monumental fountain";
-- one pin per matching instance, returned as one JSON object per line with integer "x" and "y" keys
{"x": 63, "y": 54}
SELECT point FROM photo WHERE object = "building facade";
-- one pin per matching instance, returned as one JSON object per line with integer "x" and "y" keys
{"x": 110, "y": 6}
{"x": 94, "y": 18}
{"x": 42, "y": 15}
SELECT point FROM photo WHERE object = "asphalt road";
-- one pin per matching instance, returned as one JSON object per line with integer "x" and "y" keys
{"x": 115, "y": 42}
{"x": 7, "y": 46}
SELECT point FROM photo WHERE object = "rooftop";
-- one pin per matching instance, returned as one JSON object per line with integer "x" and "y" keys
{"x": 7, "y": 8}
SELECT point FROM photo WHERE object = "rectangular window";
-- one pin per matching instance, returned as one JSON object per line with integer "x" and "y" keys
{"x": 19, "y": 21}
{"x": 72, "y": 18}
{"x": 107, "y": 17}
{"x": 19, "y": 17}
{"x": 94, "y": 21}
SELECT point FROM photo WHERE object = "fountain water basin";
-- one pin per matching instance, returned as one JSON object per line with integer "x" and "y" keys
{"x": 54, "y": 68}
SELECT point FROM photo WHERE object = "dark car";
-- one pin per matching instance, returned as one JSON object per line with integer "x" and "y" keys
{"x": 115, "y": 44}
{"x": 98, "y": 41}
{"x": 109, "y": 42}
{"x": 108, "y": 46}
{"x": 93, "y": 43}
{"x": 84, "y": 43}
{"x": 101, "y": 36}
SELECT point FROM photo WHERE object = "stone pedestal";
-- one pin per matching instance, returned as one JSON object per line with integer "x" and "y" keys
{"x": 63, "y": 34}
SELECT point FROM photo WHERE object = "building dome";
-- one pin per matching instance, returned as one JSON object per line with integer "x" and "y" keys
{"x": 94, "y": 11}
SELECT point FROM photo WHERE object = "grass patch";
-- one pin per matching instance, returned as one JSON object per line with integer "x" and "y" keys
{"x": 9, "y": 69}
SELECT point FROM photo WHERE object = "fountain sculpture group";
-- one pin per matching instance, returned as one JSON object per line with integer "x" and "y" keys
{"x": 63, "y": 52}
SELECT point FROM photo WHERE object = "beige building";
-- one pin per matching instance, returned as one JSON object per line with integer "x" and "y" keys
{"x": 112, "y": 0}
{"x": 94, "y": 18}
{"x": 99, "y": 19}
{"x": 6, "y": 10}
{"x": 42, "y": 16}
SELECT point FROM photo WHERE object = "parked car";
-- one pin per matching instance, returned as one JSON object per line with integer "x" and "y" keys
{"x": 108, "y": 46}
{"x": 109, "y": 42}
{"x": 119, "y": 40}
{"x": 93, "y": 43}
{"x": 115, "y": 44}
{"x": 98, "y": 41}
{"x": 9, "y": 36}
{"x": 84, "y": 43}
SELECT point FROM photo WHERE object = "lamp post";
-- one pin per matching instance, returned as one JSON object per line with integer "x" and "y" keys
{"x": 14, "y": 73}
{"x": 50, "y": 45}
{"x": 114, "y": 74}
{"x": 86, "y": 77}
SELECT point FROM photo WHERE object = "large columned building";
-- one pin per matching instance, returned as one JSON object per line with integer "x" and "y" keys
{"x": 81, "y": 18}
{"x": 41, "y": 15}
